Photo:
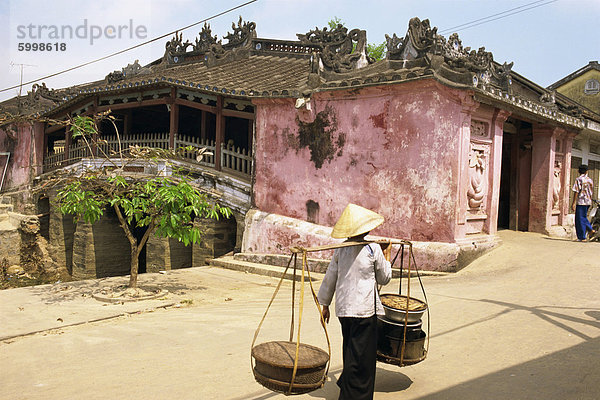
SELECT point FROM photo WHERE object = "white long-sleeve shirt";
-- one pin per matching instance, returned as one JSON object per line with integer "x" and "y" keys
{"x": 352, "y": 275}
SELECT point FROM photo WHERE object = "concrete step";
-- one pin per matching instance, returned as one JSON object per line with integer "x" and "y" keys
{"x": 276, "y": 271}
{"x": 281, "y": 260}
{"x": 235, "y": 263}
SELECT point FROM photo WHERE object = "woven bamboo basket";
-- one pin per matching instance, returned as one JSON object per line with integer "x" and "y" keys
{"x": 274, "y": 365}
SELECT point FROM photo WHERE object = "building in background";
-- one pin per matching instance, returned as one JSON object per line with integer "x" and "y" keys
{"x": 583, "y": 86}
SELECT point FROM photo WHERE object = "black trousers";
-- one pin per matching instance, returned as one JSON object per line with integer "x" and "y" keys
{"x": 359, "y": 351}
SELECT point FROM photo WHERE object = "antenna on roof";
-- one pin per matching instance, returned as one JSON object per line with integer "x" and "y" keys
{"x": 12, "y": 64}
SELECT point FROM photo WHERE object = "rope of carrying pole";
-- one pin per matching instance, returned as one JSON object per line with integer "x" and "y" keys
{"x": 306, "y": 271}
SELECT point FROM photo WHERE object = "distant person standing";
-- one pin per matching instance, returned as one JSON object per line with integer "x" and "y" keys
{"x": 582, "y": 200}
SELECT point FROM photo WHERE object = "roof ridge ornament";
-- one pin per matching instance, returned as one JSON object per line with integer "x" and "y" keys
{"x": 207, "y": 47}
{"x": 205, "y": 39}
{"x": 447, "y": 57}
{"x": 341, "y": 51}
{"x": 241, "y": 34}
{"x": 41, "y": 91}
{"x": 127, "y": 72}
{"x": 419, "y": 40}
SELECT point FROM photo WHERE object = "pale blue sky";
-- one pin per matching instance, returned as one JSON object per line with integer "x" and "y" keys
{"x": 545, "y": 43}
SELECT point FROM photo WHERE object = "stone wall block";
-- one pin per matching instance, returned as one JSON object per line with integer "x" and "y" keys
{"x": 157, "y": 254}
{"x": 100, "y": 250}
{"x": 218, "y": 238}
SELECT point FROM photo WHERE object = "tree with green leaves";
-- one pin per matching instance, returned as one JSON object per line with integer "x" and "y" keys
{"x": 163, "y": 205}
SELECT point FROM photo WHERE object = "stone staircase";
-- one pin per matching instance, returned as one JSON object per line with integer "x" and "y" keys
{"x": 253, "y": 264}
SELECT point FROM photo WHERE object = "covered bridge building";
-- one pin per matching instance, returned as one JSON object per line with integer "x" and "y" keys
{"x": 444, "y": 142}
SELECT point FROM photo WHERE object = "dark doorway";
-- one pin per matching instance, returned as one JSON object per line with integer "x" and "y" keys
{"x": 237, "y": 133}
{"x": 515, "y": 178}
{"x": 504, "y": 199}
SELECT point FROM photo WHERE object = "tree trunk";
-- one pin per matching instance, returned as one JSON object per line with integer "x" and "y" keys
{"x": 134, "y": 266}
{"x": 133, "y": 245}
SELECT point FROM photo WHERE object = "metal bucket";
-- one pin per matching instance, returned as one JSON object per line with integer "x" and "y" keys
{"x": 400, "y": 315}
{"x": 390, "y": 336}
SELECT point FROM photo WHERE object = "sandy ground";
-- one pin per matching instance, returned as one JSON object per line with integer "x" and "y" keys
{"x": 521, "y": 322}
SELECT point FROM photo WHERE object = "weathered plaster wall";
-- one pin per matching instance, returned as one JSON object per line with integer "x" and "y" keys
{"x": 18, "y": 140}
{"x": 390, "y": 149}
{"x": 267, "y": 233}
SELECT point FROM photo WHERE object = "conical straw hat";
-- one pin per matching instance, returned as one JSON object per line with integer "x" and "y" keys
{"x": 355, "y": 220}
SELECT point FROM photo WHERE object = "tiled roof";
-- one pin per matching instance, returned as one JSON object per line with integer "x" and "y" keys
{"x": 250, "y": 67}
{"x": 253, "y": 76}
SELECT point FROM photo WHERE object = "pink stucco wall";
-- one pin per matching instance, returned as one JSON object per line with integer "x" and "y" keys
{"x": 392, "y": 149}
{"x": 17, "y": 140}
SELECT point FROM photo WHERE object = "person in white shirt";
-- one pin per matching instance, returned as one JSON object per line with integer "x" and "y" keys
{"x": 353, "y": 275}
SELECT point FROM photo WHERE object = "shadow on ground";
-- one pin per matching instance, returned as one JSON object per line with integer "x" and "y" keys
{"x": 68, "y": 291}
{"x": 573, "y": 373}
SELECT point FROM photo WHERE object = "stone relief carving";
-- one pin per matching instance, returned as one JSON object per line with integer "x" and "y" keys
{"x": 480, "y": 62}
{"x": 476, "y": 188}
{"x": 204, "y": 40}
{"x": 557, "y": 185}
{"x": 479, "y": 129}
{"x": 338, "y": 51}
{"x": 549, "y": 100}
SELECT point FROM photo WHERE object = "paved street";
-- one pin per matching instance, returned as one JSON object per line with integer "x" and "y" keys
{"x": 521, "y": 322}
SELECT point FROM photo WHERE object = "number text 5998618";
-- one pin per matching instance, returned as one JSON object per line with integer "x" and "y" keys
{"x": 49, "y": 46}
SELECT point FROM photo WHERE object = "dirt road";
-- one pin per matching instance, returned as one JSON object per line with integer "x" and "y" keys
{"x": 521, "y": 322}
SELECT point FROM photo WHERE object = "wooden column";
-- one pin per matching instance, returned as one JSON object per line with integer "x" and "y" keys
{"x": 67, "y": 145}
{"x": 203, "y": 125}
{"x": 127, "y": 122}
{"x": 513, "y": 223}
{"x": 174, "y": 119}
{"x": 220, "y": 132}
{"x": 40, "y": 146}
{"x": 45, "y": 149}
{"x": 95, "y": 136}
{"x": 250, "y": 131}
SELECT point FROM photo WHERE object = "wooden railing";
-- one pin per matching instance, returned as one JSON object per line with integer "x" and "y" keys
{"x": 54, "y": 161}
{"x": 184, "y": 141}
{"x": 110, "y": 144}
{"x": 235, "y": 160}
